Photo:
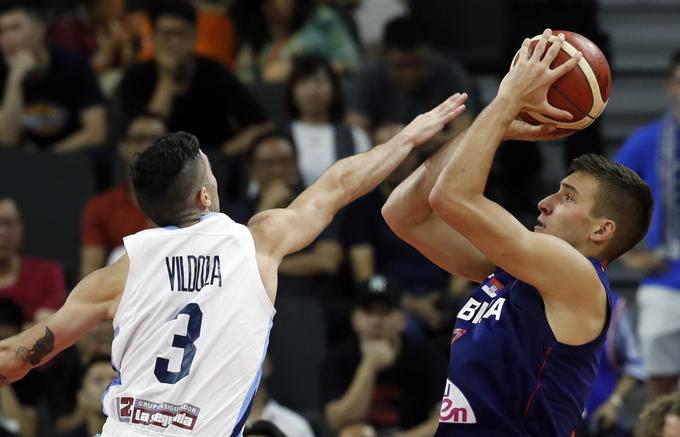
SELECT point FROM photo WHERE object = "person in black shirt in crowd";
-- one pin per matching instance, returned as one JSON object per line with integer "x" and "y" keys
{"x": 382, "y": 378}
{"x": 193, "y": 93}
{"x": 50, "y": 97}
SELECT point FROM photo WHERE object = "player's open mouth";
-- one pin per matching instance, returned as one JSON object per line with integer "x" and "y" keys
{"x": 539, "y": 225}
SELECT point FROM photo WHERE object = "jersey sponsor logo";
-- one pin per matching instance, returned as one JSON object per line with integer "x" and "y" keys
{"x": 455, "y": 407}
{"x": 457, "y": 333}
{"x": 157, "y": 414}
{"x": 191, "y": 273}
{"x": 493, "y": 286}
{"x": 475, "y": 311}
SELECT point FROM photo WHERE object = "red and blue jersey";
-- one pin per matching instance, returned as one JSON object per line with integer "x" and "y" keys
{"x": 508, "y": 375}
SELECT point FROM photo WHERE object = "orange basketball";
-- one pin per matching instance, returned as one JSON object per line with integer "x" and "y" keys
{"x": 583, "y": 91}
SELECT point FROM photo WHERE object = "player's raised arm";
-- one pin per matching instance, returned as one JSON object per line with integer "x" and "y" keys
{"x": 548, "y": 263}
{"x": 280, "y": 232}
{"x": 94, "y": 299}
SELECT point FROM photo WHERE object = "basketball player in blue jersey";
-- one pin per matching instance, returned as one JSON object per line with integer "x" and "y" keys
{"x": 192, "y": 300}
{"x": 525, "y": 345}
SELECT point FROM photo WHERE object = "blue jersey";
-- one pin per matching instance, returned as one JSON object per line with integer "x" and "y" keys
{"x": 508, "y": 375}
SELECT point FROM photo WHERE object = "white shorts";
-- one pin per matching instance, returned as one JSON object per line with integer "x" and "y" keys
{"x": 659, "y": 329}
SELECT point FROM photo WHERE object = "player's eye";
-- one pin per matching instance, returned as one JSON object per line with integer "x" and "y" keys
{"x": 569, "y": 197}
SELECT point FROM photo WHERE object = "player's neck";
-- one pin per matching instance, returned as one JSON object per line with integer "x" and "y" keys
{"x": 320, "y": 118}
{"x": 190, "y": 218}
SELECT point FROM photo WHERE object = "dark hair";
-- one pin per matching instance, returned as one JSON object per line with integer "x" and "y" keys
{"x": 263, "y": 428}
{"x": 33, "y": 8}
{"x": 251, "y": 24}
{"x": 267, "y": 135}
{"x": 623, "y": 197}
{"x": 11, "y": 314}
{"x": 653, "y": 417}
{"x": 166, "y": 175}
{"x": 403, "y": 33}
{"x": 675, "y": 62}
{"x": 308, "y": 65}
{"x": 181, "y": 9}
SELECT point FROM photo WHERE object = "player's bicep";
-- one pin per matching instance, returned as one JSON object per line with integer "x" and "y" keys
{"x": 280, "y": 232}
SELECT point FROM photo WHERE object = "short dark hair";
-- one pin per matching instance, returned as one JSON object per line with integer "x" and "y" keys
{"x": 176, "y": 8}
{"x": 653, "y": 417}
{"x": 251, "y": 24}
{"x": 403, "y": 33}
{"x": 33, "y": 8}
{"x": 622, "y": 196}
{"x": 305, "y": 66}
{"x": 675, "y": 61}
{"x": 166, "y": 175}
{"x": 11, "y": 314}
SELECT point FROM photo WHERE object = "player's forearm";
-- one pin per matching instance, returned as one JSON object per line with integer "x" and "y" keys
{"x": 351, "y": 178}
{"x": 468, "y": 169}
{"x": 356, "y": 402}
{"x": 409, "y": 202}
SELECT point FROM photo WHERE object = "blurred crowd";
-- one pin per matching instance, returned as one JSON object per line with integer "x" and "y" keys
{"x": 276, "y": 91}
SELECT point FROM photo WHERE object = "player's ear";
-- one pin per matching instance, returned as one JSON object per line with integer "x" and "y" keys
{"x": 604, "y": 232}
{"x": 203, "y": 198}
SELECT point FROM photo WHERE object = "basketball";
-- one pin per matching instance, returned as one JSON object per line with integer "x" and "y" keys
{"x": 583, "y": 91}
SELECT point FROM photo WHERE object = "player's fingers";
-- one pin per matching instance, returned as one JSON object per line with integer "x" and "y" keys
{"x": 554, "y": 49}
{"x": 445, "y": 106}
{"x": 453, "y": 109}
{"x": 524, "y": 51}
{"x": 567, "y": 66}
{"x": 540, "y": 47}
{"x": 556, "y": 113}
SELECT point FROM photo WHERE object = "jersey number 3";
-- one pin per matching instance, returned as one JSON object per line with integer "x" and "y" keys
{"x": 185, "y": 342}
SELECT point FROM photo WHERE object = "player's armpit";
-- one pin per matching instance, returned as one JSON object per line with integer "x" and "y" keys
{"x": 94, "y": 299}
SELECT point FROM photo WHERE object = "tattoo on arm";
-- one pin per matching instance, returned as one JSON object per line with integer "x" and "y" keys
{"x": 40, "y": 349}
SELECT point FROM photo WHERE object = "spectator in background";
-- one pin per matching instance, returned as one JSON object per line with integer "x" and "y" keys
{"x": 104, "y": 32}
{"x": 215, "y": 33}
{"x": 274, "y": 183}
{"x": 661, "y": 418}
{"x": 653, "y": 152}
{"x": 36, "y": 285}
{"x": 619, "y": 372}
{"x": 192, "y": 93}
{"x": 97, "y": 377}
{"x": 409, "y": 78}
{"x": 50, "y": 98}
{"x": 114, "y": 214}
{"x": 382, "y": 378}
{"x": 15, "y": 420}
{"x": 264, "y": 408}
{"x": 272, "y": 32}
{"x": 263, "y": 428}
{"x": 314, "y": 98}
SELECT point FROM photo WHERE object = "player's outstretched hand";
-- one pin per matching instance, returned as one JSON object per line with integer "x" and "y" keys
{"x": 528, "y": 80}
{"x": 427, "y": 125}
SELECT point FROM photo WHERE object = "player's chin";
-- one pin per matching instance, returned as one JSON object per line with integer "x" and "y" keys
{"x": 540, "y": 228}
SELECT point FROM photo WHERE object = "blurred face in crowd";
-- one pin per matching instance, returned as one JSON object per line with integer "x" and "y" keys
{"x": 408, "y": 69}
{"x": 11, "y": 229}
{"x": 278, "y": 11}
{"x": 19, "y": 31}
{"x": 97, "y": 378}
{"x": 141, "y": 133}
{"x": 313, "y": 95}
{"x": 174, "y": 38}
{"x": 671, "y": 426}
{"x": 274, "y": 159}
{"x": 378, "y": 321}
{"x": 673, "y": 87}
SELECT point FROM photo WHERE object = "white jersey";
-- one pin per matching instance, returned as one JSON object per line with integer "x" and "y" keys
{"x": 191, "y": 332}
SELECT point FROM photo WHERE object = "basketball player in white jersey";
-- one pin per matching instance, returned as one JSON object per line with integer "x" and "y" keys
{"x": 192, "y": 301}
